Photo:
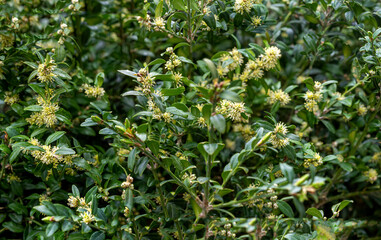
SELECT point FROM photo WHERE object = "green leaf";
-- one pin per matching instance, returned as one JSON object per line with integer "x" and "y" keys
{"x": 309, "y": 83}
{"x": 65, "y": 151}
{"x": 54, "y": 137}
{"x": 99, "y": 79}
{"x": 39, "y": 90}
{"x": 128, "y": 73}
{"x": 178, "y": 5}
{"x": 196, "y": 208}
{"x": 14, "y": 154}
{"x": 33, "y": 108}
{"x": 61, "y": 73}
{"x": 51, "y": 229}
{"x": 43, "y": 209}
{"x": 329, "y": 158}
{"x": 98, "y": 236}
{"x": 230, "y": 95}
{"x": 329, "y": 126}
{"x": 340, "y": 206}
{"x": 129, "y": 202}
{"x": 210, "y": 20}
{"x": 107, "y": 131}
{"x": 182, "y": 44}
{"x": 91, "y": 193}
{"x": 159, "y": 9}
{"x": 314, "y": 212}
{"x": 31, "y": 64}
{"x": 346, "y": 166}
{"x": 218, "y": 122}
{"x": 132, "y": 159}
{"x": 38, "y": 132}
{"x": 158, "y": 60}
{"x": 13, "y": 227}
{"x": 4, "y": 148}
{"x": 207, "y": 111}
{"x": 66, "y": 226}
{"x": 60, "y": 54}
{"x": 211, "y": 149}
{"x": 75, "y": 191}
{"x": 18, "y": 208}
{"x": 285, "y": 208}
{"x": 290, "y": 152}
{"x": 132, "y": 93}
{"x": 172, "y": 91}
{"x": 211, "y": 66}
{"x": 287, "y": 171}
{"x": 153, "y": 146}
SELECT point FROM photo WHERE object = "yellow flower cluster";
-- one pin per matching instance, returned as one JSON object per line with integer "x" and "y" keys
{"x": 178, "y": 77}
{"x": 256, "y": 21}
{"x": 376, "y": 157}
{"x": 47, "y": 115}
{"x": 44, "y": 197}
{"x": 372, "y": 175}
{"x": 157, "y": 114}
{"x": 11, "y": 98}
{"x": 227, "y": 232}
{"x": 280, "y": 96}
{"x": 159, "y": 23}
{"x": 145, "y": 80}
{"x": 13, "y": 178}
{"x": 80, "y": 203}
{"x": 128, "y": 182}
{"x": 91, "y": 91}
{"x": 173, "y": 61}
{"x": 242, "y": 6}
{"x": 272, "y": 54}
{"x": 205, "y": 26}
{"x": 279, "y": 141}
{"x": 362, "y": 110}
{"x": 15, "y": 23}
{"x": 245, "y": 130}
{"x": 45, "y": 71}
{"x": 313, "y": 98}
{"x": 146, "y": 22}
{"x": 87, "y": 217}
{"x": 72, "y": 202}
{"x": 49, "y": 156}
{"x": 63, "y": 32}
{"x": 254, "y": 69}
{"x": 234, "y": 59}
{"x": 201, "y": 122}
{"x": 6, "y": 41}
{"x": 126, "y": 211}
{"x": 122, "y": 152}
{"x": 316, "y": 161}
{"x": 191, "y": 177}
{"x": 231, "y": 110}
{"x": 181, "y": 156}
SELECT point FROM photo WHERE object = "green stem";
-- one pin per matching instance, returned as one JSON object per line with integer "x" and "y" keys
{"x": 353, "y": 150}
{"x": 125, "y": 171}
{"x": 162, "y": 200}
{"x": 352, "y": 194}
{"x": 179, "y": 182}
{"x": 190, "y": 35}
{"x": 234, "y": 202}
{"x": 137, "y": 233}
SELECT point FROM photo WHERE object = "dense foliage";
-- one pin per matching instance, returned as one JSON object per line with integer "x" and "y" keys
{"x": 185, "y": 119}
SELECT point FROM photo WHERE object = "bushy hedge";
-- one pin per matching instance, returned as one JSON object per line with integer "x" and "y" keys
{"x": 185, "y": 119}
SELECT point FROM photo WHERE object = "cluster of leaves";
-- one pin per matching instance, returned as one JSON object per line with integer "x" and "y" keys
{"x": 260, "y": 120}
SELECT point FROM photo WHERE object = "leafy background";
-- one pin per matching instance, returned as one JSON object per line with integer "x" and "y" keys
{"x": 335, "y": 42}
